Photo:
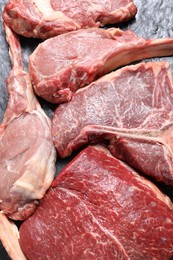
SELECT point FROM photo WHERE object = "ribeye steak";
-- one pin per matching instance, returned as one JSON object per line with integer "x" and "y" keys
{"x": 133, "y": 108}
{"x": 61, "y": 65}
{"x": 27, "y": 154}
{"x": 99, "y": 208}
{"x": 47, "y": 18}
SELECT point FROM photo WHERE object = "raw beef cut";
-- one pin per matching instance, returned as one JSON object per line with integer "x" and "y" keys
{"x": 133, "y": 108}
{"x": 47, "y": 18}
{"x": 99, "y": 208}
{"x": 27, "y": 154}
{"x": 61, "y": 65}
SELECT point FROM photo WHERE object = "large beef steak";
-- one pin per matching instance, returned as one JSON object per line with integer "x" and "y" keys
{"x": 131, "y": 107}
{"x": 61, "y": 65}
{"x": 99, "y": 208}
{"x": 47, "y": 18}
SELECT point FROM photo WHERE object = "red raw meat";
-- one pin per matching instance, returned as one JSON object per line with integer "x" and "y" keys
{"x": 99, "y": 208}
{"x": 61, "y": 65}
{"x": 132, "y": 108}
{"x": 47, "y": 18}
{"x": 27, "y": 153}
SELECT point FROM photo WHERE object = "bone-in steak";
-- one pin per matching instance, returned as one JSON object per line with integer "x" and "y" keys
{"x": 47, "y": 18}
{"x": 99, "y": 208}
{"x": 131, "y": 107}
{"x": 9, "y": 237}
{"x": 61, "y": 65}
{"x": 27, "y": 154}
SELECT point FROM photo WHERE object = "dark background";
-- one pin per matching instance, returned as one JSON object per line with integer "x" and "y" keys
{"x": 153, "y": 20}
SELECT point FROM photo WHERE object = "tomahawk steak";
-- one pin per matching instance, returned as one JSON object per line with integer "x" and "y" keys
{"x": 27, "y": 154}
{"x": 61, "y": 65}
{"x": 131, "y": 107}
{"x": 47, "y": 18}
{"x": 99, "y": 208}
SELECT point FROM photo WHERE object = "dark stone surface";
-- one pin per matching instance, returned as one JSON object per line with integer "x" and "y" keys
{"x": 153, "y": 20}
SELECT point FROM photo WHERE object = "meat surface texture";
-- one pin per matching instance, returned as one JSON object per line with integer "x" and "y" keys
{"x": 27, "y": 154}
{"x": 48, "y": 18}
{"x": 132, "y": 108}
{"x": 99, "y": 208}
{"x": 61, "y": 65}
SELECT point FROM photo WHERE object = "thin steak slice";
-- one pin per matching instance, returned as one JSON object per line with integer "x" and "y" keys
{"x": 133, "y": 108}
{"x": 61, "y": 65}
{"x": 48, "y": 18}
{"x": 27, "y": 154}
{"x": 99, "y": 208}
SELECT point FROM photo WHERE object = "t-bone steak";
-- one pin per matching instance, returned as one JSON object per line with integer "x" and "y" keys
{"x": 27, "y": 153}
{"x": 47, "y": 18}
{"x": 61, "y": 65}
{"x": 133, "y": 109}
{"x": 99, "y": 208}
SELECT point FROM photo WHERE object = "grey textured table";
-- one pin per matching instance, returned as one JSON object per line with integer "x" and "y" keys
{"x": 153, "y": 20}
